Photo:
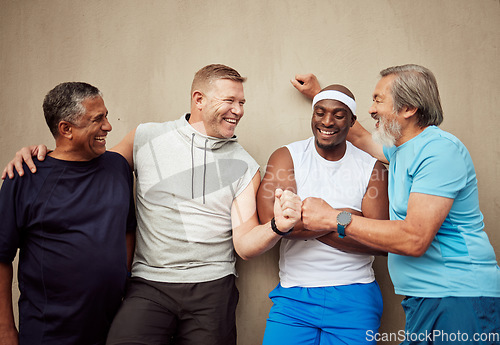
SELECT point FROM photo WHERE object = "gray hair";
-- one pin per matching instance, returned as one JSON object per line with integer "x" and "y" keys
{"x": 416, "y": 87}
{"x": 64, "y": 103}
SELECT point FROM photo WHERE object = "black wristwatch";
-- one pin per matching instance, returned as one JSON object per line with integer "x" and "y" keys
{"x": 343, "y": 220}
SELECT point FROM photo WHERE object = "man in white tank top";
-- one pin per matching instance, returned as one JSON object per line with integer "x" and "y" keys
{"x": 327, "y": 289}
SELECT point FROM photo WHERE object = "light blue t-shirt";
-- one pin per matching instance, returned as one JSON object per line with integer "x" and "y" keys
{"x": 460, "y": 260}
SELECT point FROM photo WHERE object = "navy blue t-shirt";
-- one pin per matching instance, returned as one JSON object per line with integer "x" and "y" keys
{"x": 69, "y": 221}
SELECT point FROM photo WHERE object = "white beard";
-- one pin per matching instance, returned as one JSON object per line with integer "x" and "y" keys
{"x": 387, "y": 132}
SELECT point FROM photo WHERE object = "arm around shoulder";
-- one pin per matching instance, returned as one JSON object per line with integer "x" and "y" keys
{"x": 126, "y": 147}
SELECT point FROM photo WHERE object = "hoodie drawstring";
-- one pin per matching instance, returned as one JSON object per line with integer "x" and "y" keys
{"x": 192, "y": 166}
{"x": 204, "y": 167}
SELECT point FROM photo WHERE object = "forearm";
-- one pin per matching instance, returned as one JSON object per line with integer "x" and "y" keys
{"x": 300, "y": 233}
{"x": 257, "y": 241}
{"x": 332, "y": 239}
{"x": 363, "y": 140}
{"x": 348, "y": 245}
{"x": 393, "y": 236}
{"x": 8, "y": 331}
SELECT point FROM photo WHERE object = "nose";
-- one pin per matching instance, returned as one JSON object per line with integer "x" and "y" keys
{"x": 372, "y": 109}
{"x": 238, "y": 109}
{"x": 106, "y": 125}
{"x": 328, "y": 120}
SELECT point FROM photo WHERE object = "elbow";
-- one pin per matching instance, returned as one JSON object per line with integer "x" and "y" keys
{"x": 416, "y": 253}
{"x": 416, "y": 249}
{"x": 246, "y": 257}
{"x": 244, "y": 254}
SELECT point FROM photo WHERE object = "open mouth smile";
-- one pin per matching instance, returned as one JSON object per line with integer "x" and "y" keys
{"x": 231, "y": 121}
{"x": 322, "y": 131}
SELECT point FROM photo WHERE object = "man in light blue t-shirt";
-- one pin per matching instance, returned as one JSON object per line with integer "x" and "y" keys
{"x": 439, "y": 256}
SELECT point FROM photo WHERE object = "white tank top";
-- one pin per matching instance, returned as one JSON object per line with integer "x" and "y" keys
{"x": 343, "y": 184}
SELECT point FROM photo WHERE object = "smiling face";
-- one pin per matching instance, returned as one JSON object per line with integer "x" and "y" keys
{"x": 330, "y": 124}
{"x": 89, "y": 133}
{"x": 223, "y": 108}
{"x": 388, "y": 128}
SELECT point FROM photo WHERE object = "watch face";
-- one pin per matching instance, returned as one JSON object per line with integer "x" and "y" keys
{"x": 344, "y": 218}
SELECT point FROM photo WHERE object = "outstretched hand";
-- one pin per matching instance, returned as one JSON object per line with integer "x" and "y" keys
{"x": 287, "y": 209}
{"x": 24, "y": 155}
{"x": 307, "y": 84}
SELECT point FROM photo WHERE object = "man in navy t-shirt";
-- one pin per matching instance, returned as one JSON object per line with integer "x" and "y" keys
{"x": 71, "y": 222}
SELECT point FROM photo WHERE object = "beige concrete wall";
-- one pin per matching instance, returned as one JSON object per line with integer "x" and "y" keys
{"x": 143, "y": 54}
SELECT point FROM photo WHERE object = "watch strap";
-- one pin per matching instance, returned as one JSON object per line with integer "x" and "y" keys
{"x": 341, "y": 230}
{"x": 276, "y": 230}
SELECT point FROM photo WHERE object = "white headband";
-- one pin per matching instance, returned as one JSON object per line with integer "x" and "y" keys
{"x": 336, "y": 96}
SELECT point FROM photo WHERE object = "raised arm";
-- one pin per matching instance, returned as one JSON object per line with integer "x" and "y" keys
{"x": 307, "y": 84}
{"x": 8, "y": 331}
{"x": 363, "y": 140}
{"x": 249, "y": 237}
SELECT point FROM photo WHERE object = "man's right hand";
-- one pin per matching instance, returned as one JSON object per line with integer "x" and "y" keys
{"x": 307, "y": 84}
{"x": 24, "y": 155}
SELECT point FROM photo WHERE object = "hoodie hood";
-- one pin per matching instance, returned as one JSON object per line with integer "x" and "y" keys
{"x": 199, "y": 141}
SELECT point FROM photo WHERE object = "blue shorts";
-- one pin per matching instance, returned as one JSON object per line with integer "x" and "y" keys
{"x": 452, "y": 320}
{"x": 324, "y": 315}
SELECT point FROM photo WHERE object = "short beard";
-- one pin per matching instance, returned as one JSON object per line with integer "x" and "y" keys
{"x": 325, "y": 147}
{"x": 387, "y": 132}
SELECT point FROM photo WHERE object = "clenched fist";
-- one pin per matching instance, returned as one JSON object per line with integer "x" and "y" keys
{"x": 287, "y": 209}
{"x": 317, "y": 214}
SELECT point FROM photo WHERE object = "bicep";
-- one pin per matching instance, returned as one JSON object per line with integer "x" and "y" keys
{"x": 376, "y": 201}
{"x": 279, "y": 174}
{"x": 426, "y": 213}
{"x": 244, "y": 209}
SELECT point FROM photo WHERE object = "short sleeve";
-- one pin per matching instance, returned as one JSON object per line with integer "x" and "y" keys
{"x": 388, "y": 152}
{"x": 9, "y": 233}
{"x": 439, "y": 169}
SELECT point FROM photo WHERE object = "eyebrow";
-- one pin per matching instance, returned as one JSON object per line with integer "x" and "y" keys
{"x": 334, "y": 110}
{"x": 99, "y": 116}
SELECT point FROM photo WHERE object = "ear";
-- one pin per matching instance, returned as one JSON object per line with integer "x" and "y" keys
{"x": 65, "y": 129}
{"x": 353, "y": 120}
{"x": 408, "y": 112}
{"x": 197, "y": 98}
